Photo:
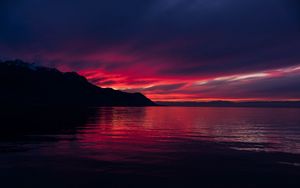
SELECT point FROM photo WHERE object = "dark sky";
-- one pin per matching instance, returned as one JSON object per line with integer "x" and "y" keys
{"x": 167, "y": 49}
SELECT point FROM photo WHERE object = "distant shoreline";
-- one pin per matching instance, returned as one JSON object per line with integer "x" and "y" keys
{"x": 254, "y": 104}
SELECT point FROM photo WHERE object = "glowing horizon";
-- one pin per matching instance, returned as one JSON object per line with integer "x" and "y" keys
{"x": 168, "y": 50}
{"x": 181, "y": 93}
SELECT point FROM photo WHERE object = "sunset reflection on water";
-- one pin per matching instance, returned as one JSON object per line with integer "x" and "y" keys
{"x": 124, "y": 133}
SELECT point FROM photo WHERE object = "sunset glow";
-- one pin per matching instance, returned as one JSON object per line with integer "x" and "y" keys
{"x": 168, "y": 50}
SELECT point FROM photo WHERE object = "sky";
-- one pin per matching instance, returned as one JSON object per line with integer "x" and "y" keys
{"x": 170, "y": 50}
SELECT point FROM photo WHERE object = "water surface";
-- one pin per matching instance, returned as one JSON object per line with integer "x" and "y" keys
{"x": 155, "y": 146}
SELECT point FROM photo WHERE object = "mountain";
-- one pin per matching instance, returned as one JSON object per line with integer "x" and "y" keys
{"x": 28, "y": 84}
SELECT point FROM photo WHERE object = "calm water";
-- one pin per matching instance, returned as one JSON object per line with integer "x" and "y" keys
{"x": 148, "y": 129}
{"x": 239, "y": 146}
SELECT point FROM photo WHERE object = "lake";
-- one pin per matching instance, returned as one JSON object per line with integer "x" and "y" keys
{"x": 150, "y": 147}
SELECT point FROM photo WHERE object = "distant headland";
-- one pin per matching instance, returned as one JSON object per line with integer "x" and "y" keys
{"x": 254, "y": 104}
{"x": 23, "y": 83}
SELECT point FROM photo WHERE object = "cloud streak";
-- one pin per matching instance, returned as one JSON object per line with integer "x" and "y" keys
{"x": 167, "y": 49}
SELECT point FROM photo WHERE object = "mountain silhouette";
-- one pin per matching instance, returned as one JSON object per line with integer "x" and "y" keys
{"x": 28, "y": 84}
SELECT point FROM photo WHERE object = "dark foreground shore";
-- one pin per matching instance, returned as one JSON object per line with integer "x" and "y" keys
{"x": 33, "y": 158}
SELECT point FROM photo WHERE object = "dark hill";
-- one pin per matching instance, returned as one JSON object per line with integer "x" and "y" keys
{"x": 27, "y": 84}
